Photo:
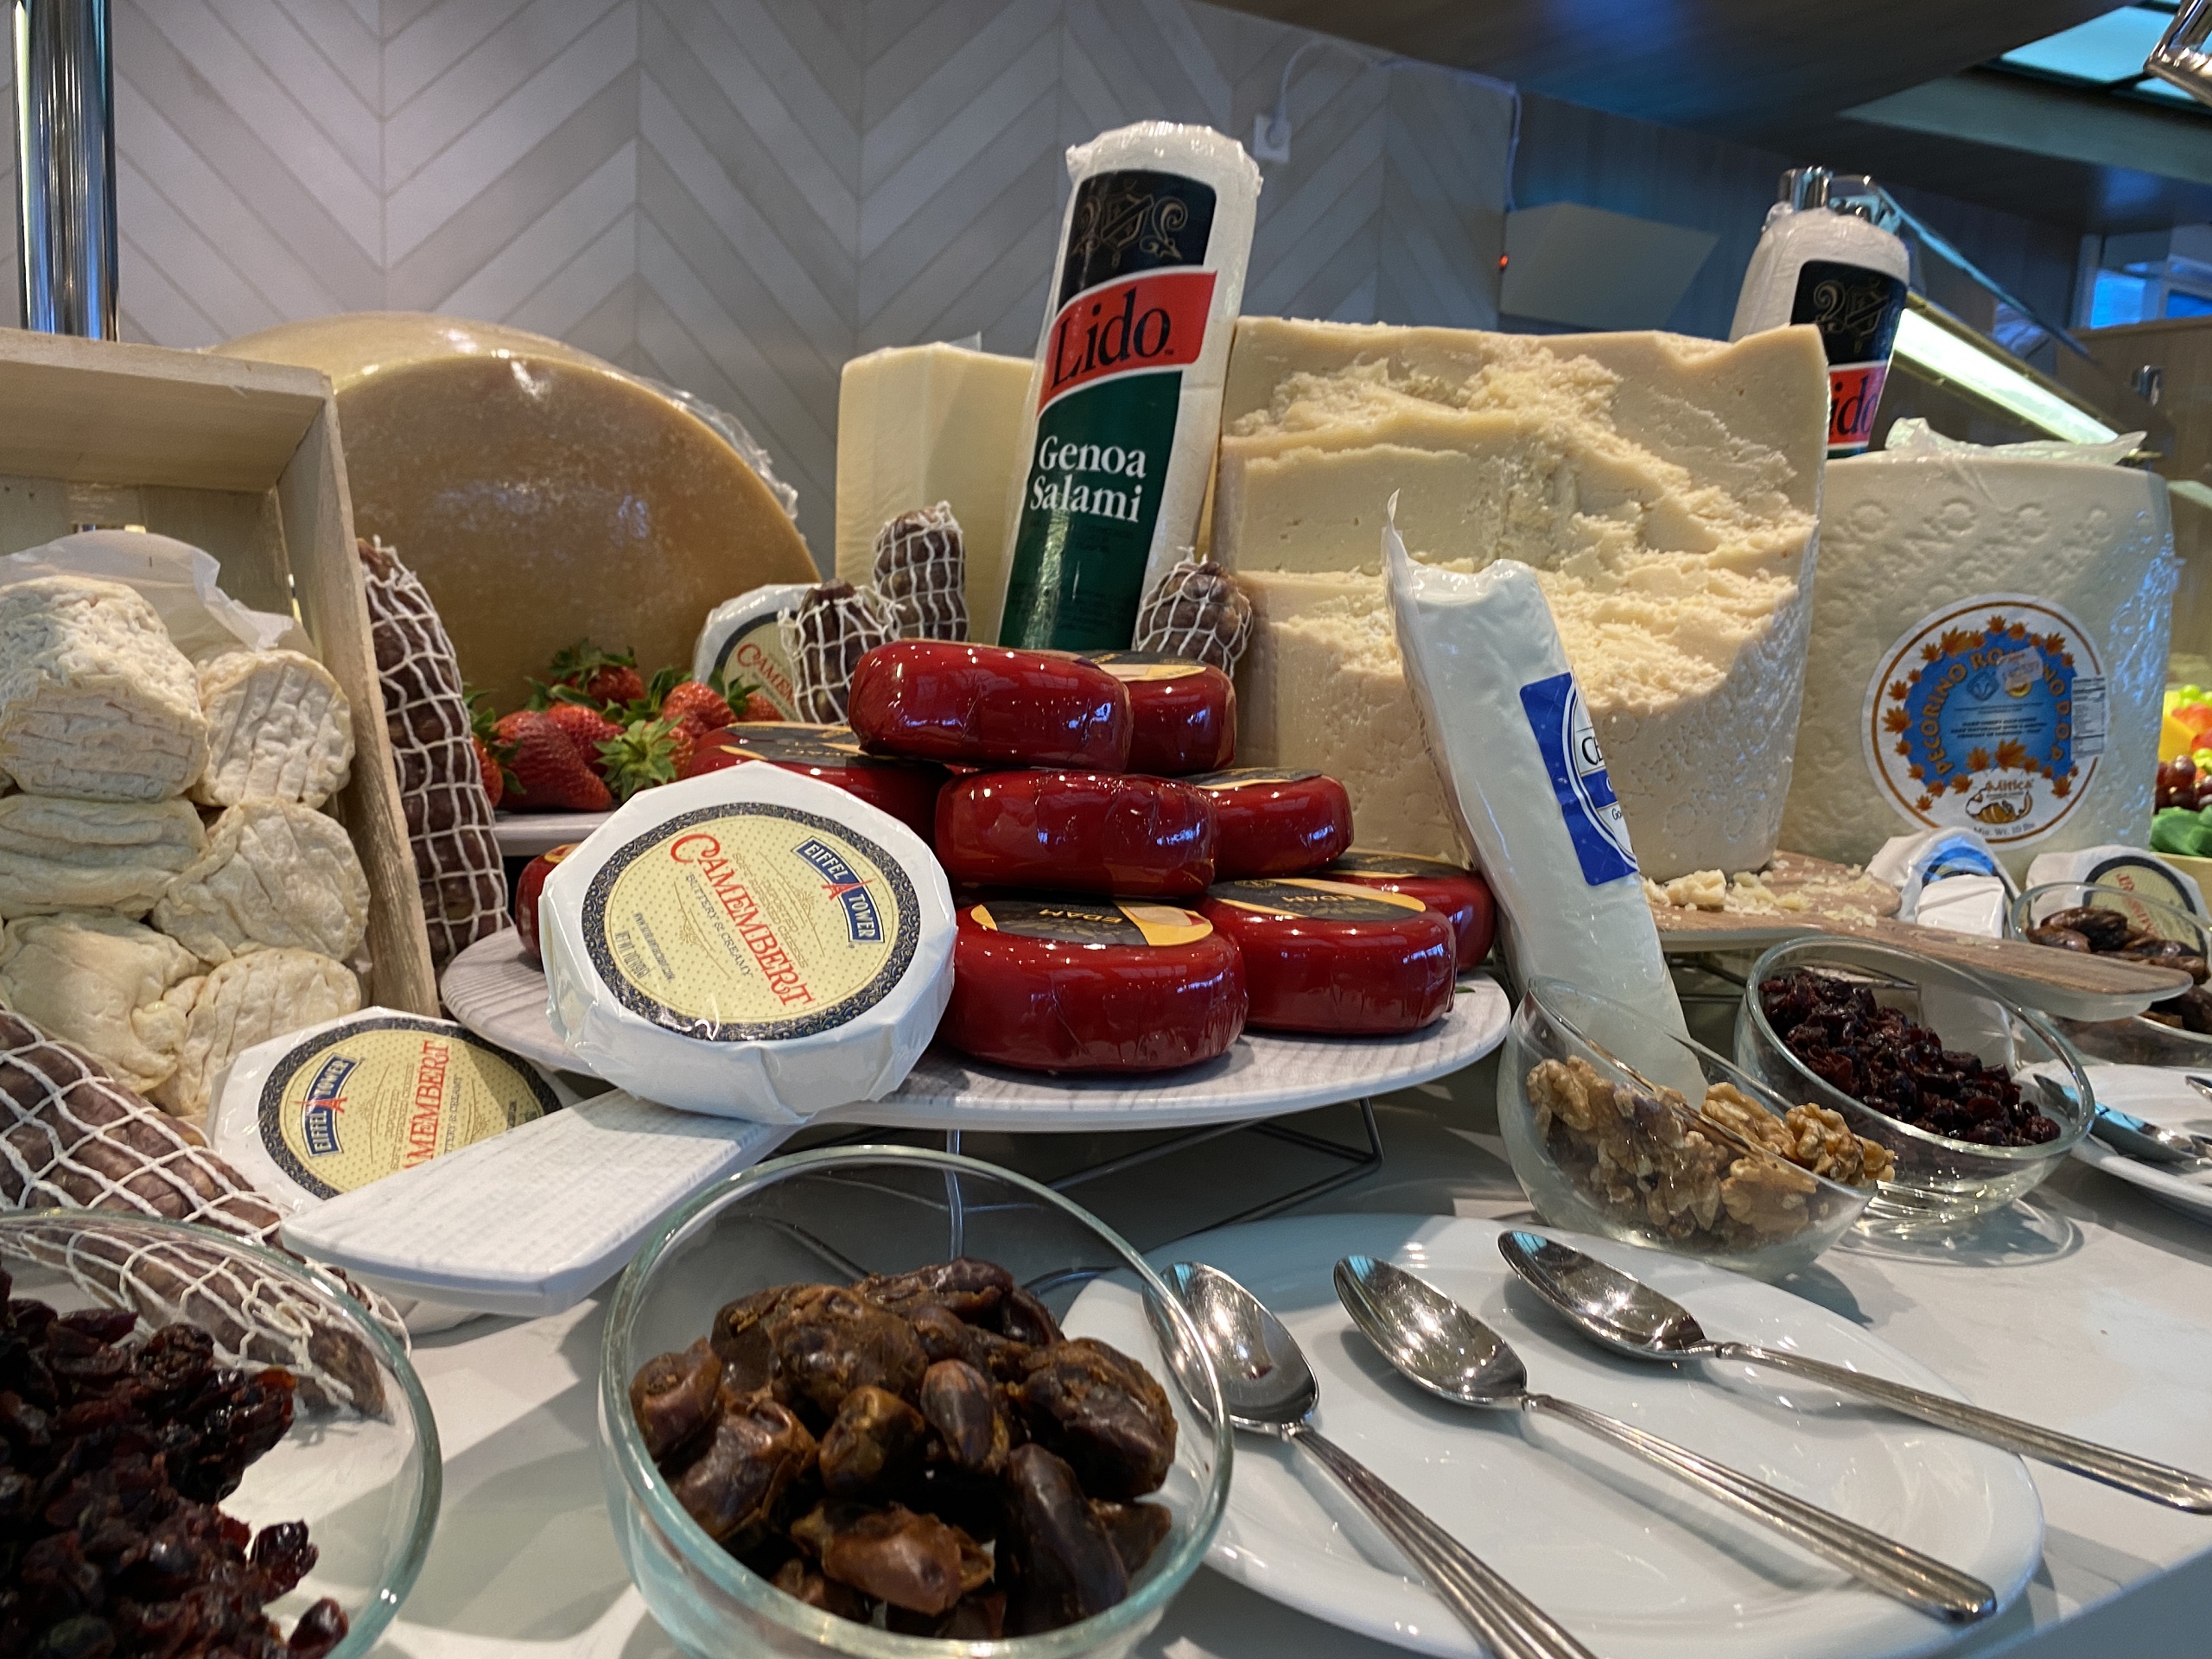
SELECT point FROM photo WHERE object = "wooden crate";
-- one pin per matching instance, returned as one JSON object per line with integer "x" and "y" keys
{"x": 241, "y": 459}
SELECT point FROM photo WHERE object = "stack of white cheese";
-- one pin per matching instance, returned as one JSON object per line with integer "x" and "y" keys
{"x": 163, "y": 944}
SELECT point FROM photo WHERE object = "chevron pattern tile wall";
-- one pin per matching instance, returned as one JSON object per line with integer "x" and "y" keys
{"x": 736, "y": 196}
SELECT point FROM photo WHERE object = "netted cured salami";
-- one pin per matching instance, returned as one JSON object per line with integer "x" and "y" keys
{"x": 1197, "y": 611}
{"x": 833, "y": 628}
{"x": 441, "y": 783}
{"x": 921, "y": 567}
{"x": 72, "y": 1138}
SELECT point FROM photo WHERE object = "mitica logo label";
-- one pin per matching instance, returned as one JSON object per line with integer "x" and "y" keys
{"x": 1594, "y": 820}
{"x": 1157, "y": 320}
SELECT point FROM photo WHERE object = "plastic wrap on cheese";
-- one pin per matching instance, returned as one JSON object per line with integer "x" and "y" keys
{"x": 751, "y": 942}
{"x": 1525, "y": 778}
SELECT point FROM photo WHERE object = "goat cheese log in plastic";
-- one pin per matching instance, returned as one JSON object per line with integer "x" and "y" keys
{"x": 1525, "y": 778}
{"x": 752, "y": 944}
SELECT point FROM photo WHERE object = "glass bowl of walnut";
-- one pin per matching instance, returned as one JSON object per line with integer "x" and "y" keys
{"x": 1615, "y": 1125}
{"x": 221, "y": 1452}
{"x": 1976, "y": 1097}
{"x": 2099, "y": 919}
{"x": 883, "y": 1402}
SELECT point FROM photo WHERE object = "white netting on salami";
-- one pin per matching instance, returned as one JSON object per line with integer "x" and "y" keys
{"x": 921, "y": 567}
{"x": 835, "y": 625}
{"x": 448, "y": 817}
{"x": 1197, "y": 611}
{"x": 72, "y": 1139}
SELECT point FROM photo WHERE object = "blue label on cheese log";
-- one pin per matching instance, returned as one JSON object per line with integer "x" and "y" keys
{"x": 1577, "y": 768}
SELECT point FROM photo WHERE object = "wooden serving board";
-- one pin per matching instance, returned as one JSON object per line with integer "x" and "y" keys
{"x": 2062, "y": 982}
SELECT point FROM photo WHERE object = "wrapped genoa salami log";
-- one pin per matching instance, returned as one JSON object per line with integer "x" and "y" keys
{"x": 72, "y": 1138}
{"x": 448, "y": 817}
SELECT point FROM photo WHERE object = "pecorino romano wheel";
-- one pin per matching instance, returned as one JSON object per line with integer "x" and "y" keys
{"x": 1269, "y": 821}
{"x": 1329, "y": 956}
{"x": 987, "y": 706}
{"x": 1182, "y": 713}
{"x": 905, "y": 789}
{"x": 1462, "y": 897}
{"x": 1047, "y": 984}
{"x": 1076, "y": 832}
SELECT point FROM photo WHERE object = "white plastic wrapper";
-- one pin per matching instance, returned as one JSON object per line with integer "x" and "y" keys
{"x": 1945, "y": 878}
{"x": 740, "y": 641}
{"x": 1524, "y": 778}
{"x": 1124, "y": 410}
{"x": 751, "y": 942}
{"x": 178, "y": 580}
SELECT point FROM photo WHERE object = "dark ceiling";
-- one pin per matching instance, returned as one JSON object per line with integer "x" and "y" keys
{"x": 1780, "y": 74}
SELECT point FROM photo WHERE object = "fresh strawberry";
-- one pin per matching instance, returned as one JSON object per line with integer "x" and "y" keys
{"x": 606, "y": 678}
{"x": 551, "y": 774}
{"x": 694, "y": 703}
{"x": 586, "y": 727}
{"x": 757, "y": 707}
{"x": 649, "y": 751}
{"x": 494, "y": 785}
{"x": 491, "y": 754}
{"x": 527, "y": 889}
{"x": 746, "y": 699}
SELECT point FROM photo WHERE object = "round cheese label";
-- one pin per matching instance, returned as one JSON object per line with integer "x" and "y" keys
{"x": 1130, "y": 666}
{"x": 1091, "y": 921}
{"x": 2144, "y": 880}
{"x": 378, "y": 1095}
{"x": 797, "y": 744}
{"x": 755, "y": 655}
{"x": 1357, "y": 863}
{"x": 1248, "y": 777}
{"x": 751, "y": 922}
{"x": 1987, "y": 715}
{"x": 1298, "y": 895}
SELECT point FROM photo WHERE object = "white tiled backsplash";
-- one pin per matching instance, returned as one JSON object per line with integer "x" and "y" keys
{"x": 737, "y": 195}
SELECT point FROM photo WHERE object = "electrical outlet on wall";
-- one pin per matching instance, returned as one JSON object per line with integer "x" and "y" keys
{"x": 1270, "y": 136}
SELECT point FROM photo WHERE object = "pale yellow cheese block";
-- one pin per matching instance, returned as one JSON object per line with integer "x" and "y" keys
{"x": 920, "y": 424}
{"x": 1665, "y": 490}
{"x": 542, "y": 495}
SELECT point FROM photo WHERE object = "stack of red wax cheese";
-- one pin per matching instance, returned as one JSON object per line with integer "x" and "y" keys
{"x": 1127, "y": 905}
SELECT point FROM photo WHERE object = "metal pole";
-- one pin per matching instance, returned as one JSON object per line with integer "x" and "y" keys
{"x": 65, "y": 167}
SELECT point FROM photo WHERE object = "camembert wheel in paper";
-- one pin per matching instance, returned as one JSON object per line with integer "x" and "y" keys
{"x": 753, "y": 943}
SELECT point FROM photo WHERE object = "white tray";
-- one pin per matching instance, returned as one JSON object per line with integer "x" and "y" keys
{"x": 525, "y": 835}
{"x": 492, "y": 990}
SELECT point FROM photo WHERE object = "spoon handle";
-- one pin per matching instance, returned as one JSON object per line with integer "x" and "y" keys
{"x": 1882, "y": 1562}
{"x": 1509, "y": 1624}
{"x": 2161, "y": 1481}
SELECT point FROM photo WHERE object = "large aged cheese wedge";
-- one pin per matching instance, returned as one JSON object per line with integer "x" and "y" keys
{"x": 542, "y": 495}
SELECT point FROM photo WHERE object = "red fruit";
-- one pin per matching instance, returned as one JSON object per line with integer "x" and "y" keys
{"x": 586, "y": 728}
{"x": 494, "y": 785}
{"x": 527, "y": 890}
{"x": 757, "y": 707}
{"x": 551, "y": 774}
{"x": 647, "y": 752}
{"x": 491, "y": 753}
{"x": 606, "y": 678}
{"x": 694, "y": 703}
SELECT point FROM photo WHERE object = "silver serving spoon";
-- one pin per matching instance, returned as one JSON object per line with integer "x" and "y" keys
{"x": 1268, "y": 1389}
{"x": 2173, "y": 1149}
{"x": 1436, "y": 1343}
{"x": 1627, "y": 1315}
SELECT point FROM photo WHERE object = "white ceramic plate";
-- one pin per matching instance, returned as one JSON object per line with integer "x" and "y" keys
{"x": 492, "y": 990}
{"x": 1629, "y": 1559}
{"x": 525, "y": 835}
{"x": 2158, "y": 1095}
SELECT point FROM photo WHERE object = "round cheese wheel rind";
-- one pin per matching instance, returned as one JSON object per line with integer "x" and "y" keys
{"x": 1327, "y": 956}
{"x": 1275, "y": 822}
{"x": 988, "y": 706}
{"x": 1461, "y": 896}
{"x": 905, "y": 789}
{"x": 750, "y": 943}
{"x": 1076, "y": 832}
{"x": 1055, "y": 984}
{"x": 1182, "y": 713}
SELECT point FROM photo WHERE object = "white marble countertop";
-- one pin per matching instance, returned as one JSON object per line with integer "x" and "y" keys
{"x": 2087, "y": 1306}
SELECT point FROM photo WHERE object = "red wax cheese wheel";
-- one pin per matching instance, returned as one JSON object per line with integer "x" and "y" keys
{"x": 1328, "y": 956}
{"x": 1273, "y": 822}
{"x": 1060, "y": 984}
{"x": 1182, "y": 713}
{"x": 528, "y": 886}
{"x": 905, "y": 789}
{"x": 988, "y": 706}
{"x": 1095, "y": 832}
{"x": 1462, "y": 897}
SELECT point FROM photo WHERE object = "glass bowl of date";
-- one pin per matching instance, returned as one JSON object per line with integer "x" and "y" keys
{"x": 1976, "y": 1098}
{"x": 883, "y": 1402}
{"x": 206, "y": 1447}
{"x": 1616, "y": 1125}
{"x": 2100, "y": 919}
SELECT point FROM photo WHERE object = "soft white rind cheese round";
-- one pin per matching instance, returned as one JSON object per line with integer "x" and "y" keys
{"x": 750, "y": 943}
{"x": 741, "y": 642}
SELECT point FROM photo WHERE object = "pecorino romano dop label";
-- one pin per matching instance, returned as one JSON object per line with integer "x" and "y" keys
{"x": 1134, "y": 298}
{"x": 751, "y": 922}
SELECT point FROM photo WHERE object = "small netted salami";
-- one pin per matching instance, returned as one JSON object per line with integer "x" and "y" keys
{"x": 1197, "y": 611}
{"x": 448, "y": 815}
{"x": 835, "y": 625}
{"x": 921, "y": 567}
{"x": 72, "y": 1138}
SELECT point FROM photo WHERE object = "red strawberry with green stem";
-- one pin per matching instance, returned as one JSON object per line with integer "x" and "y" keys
{"x": 490, "y": 751}
{"x": 552, "y": 774}
{"x": 648, "y": 752}
{"x": 586, "y": 726}
{"x": 605, "y": 677}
